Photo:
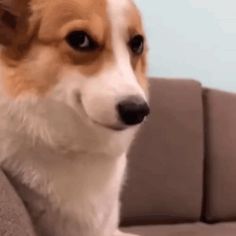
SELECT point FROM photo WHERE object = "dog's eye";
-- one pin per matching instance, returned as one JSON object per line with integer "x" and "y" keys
{"x": 80, "y": 40}
{"x": 136, "y": 44}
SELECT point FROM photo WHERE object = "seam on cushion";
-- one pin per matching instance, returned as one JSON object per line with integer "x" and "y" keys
{"x": 206, "y": 152}
{"x": 156, "y": 219}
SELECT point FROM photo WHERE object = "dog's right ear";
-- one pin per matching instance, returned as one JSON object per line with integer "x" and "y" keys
{"x": 13, "y": 15}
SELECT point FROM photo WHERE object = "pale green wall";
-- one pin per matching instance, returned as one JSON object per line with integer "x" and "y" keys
{"x": 192, "y": 38}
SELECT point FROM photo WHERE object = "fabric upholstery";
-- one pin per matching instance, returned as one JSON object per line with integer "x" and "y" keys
{"x": 166, "y": 162}
{"x": 220, "y": 126}
{"x": 176, "y": 156}
{"x": 197, "y": 229}
{"x": 14, "y": 220}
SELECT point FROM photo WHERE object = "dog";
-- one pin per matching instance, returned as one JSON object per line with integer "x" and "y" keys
{"x": 73, "y": 93}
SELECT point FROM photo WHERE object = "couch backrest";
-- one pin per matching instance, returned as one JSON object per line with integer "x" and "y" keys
{"x": 165, "y": 178}
{"x": 220, "y": 168}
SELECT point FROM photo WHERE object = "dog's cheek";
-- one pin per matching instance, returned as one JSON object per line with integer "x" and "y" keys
{"x": 141, "y": 73}
{"x": 37, "y": 75}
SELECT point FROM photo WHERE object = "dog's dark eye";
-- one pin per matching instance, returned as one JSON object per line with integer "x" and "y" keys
{"x": 80, "y": 40}
{"x": 136, "y": 44}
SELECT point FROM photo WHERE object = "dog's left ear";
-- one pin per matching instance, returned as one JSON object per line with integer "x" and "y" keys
{"x": 13, "y": 20}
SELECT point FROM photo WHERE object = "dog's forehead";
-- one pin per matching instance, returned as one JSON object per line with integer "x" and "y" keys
{"x": 124, "y": 13}
{"x": 109, "y": 10}
{"x": 118, "y": 7}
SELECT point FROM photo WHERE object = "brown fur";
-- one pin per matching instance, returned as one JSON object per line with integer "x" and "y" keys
{"x": 42, "y": 25}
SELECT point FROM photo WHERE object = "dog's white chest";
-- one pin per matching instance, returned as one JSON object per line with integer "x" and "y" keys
{"x": 71, "y": 196}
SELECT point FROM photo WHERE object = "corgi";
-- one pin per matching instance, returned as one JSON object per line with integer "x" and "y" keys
{"x": 73, "y": 93}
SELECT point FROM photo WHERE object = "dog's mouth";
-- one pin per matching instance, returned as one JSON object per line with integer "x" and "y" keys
{"x": 117, "y": 128}
{"x": 110, "y": 127}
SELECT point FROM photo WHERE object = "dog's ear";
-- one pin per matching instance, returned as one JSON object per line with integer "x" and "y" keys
{"x": 13, "y": 20}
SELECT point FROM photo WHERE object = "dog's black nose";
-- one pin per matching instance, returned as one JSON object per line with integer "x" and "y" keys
{"x": 133, "y": 110}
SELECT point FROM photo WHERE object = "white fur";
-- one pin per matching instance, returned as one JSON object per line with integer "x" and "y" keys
{"x": 67, "y": 167}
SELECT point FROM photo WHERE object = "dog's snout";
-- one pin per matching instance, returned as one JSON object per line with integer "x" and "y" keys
{"x": 133, "y": 110}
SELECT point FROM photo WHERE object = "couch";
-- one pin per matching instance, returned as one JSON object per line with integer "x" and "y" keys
{"x": 182, "y": 168}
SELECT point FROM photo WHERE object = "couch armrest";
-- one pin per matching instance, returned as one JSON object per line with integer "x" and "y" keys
{"x": 14, "y": 220}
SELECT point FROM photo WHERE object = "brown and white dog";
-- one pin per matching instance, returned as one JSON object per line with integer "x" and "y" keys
{"x": 73, "y": 92}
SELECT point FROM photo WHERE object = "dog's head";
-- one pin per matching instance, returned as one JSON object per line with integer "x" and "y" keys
{"x": 89, "y": 55}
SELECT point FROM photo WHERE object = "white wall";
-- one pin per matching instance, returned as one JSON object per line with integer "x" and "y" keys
{"x": 192, "y": 38}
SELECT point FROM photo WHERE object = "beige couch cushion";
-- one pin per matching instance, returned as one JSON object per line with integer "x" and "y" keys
{"x": 220, "y": 187}
{"x": 14, "y": 220}
{"x": 166, "y": 162}
{"x": 185, "y": 230}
